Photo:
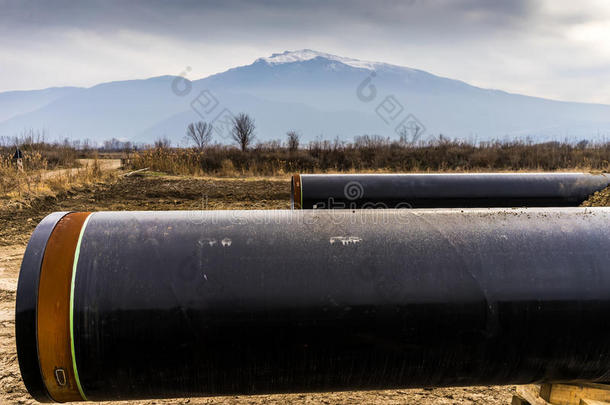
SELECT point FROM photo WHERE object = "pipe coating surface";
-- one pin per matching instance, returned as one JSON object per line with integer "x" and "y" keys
{"x": 172, "y": 304}
{"x": 455, "y": 190}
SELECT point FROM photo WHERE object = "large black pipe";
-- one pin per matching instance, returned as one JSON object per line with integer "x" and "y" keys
{"x": 444, "y": 190}
{"x": 170, "y": 304}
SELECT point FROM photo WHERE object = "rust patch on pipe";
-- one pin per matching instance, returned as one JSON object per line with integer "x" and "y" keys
{"x": 53, "y": 309}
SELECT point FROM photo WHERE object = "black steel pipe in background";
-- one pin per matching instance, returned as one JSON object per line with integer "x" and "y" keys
{"x": 456, "y": 190}
{"x": 171, "y": 304}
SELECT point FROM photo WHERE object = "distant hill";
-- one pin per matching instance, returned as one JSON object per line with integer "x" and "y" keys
{"x": 13, "y": 103}
{"x": 315, "y": 93}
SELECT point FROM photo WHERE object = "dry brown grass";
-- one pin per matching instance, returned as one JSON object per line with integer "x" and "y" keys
{"x": 372, "y": 154}
{"x": 22, "y": 186}
{"x": 39, "y": 154}
{"x": 39, "y": 157}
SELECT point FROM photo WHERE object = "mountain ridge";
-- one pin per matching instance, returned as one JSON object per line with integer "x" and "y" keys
{"x": 316, "y": 93}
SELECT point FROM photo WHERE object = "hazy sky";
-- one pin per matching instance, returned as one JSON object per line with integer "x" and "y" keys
{"x": 550, "y": 48}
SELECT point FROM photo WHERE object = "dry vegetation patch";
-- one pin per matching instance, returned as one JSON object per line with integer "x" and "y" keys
{"x": 373, "y": 154}
{"x": 599, "y": 199}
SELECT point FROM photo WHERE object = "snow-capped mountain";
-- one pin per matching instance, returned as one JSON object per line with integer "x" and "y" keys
{"x": 315, "y": 93}
{"x": 307, "y": 54}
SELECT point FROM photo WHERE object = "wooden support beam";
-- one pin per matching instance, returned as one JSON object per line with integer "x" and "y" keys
{"x": 529, "y": 394}
{"x": 572, "y": 394}
{"x": 593, "y": 402}
{"x": 519, "y": 401}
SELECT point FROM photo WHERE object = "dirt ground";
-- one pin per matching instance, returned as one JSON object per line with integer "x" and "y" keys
{"x": 151, "y": 192}
{"x": 104, "y": 164}
{"x": 599, "y": 199}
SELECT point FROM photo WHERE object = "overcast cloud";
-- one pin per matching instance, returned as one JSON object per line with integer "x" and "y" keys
{"x": 549, "y": 48}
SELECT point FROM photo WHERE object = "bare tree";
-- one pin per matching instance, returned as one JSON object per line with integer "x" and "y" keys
{"x": 243, "y": 130}
{"x": 293, "y": 140}
{"x": 410, "y": 135}
{"x": 200, "y": 133}
{"x": 163, "y": 143}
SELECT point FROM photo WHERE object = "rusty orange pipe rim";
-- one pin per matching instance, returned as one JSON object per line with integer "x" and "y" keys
{"x": 53, "y": 310}
{"x": 297, "y": 195}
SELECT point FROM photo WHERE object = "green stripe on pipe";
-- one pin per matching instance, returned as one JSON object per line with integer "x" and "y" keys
{"x": 76, "y": 253}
